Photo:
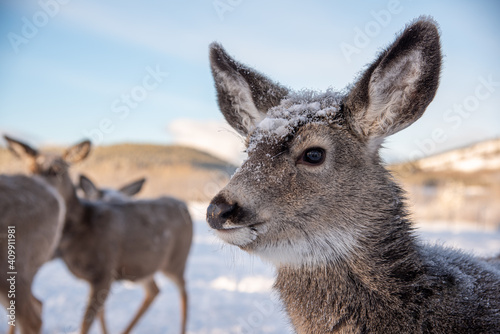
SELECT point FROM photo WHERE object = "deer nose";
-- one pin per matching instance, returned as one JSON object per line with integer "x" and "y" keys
{"x": 219, "y": 211}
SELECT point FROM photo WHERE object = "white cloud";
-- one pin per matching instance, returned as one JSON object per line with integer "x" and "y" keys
{"x": 214, "y": 137}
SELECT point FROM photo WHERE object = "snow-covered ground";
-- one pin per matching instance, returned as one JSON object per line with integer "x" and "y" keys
{"x": 230, "y": 292}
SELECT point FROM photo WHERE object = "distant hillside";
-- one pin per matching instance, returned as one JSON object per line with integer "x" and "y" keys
{"x": 478, "y": 157}
{"x": 462, "y": 185}
{"x": 455, "y": 187}
{"x": 174, "y": 170}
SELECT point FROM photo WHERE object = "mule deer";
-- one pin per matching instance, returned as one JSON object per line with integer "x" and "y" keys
{"x": 31, "y": 221}
{"x": 91, "y": 192}
{"x": 314, "y": 199}
{"x": 103, "y": 242}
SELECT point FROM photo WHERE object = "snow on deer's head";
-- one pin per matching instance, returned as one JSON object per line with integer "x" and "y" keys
{"x": 312, "y": 189}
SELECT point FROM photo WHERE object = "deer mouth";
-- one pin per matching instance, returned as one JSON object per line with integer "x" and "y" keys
{"x": 238, "y": 235}
{"x": 252, "y": 226}
{"x": 233, "y": 223}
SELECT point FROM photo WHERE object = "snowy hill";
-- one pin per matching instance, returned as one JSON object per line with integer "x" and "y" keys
{"x": 456, "y": 187}
{"x": 479, "y": 157}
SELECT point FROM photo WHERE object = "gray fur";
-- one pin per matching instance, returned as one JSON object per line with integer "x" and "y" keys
{"x": 91, "y": 192}
{"x": 37, "y": 213}
{"x": 241, "y": 88}
{"x": 127, "y": 240}
{"x": 338, "y": 232}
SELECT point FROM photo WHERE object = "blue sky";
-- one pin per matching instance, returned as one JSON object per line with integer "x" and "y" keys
{"x": 66, "y": 80}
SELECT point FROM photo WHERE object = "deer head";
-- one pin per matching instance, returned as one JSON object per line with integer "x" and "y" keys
{"x": 52, "y": 167}
{"x": 313, "y": 189}
{"x": 92, "y": 192}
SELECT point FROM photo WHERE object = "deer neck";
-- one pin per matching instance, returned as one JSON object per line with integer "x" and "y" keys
{"x": 337, "y": 297}
{"x": 74, "y": 206}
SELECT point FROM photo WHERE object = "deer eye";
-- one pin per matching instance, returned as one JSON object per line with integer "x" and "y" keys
{"x": 312, "y": 156}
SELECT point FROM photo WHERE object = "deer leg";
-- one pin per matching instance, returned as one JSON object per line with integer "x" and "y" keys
{"x": 30, "y": 320}
{"x": 29, "y": 315}
{"x": 151, "y": 292}
{"x": 98, "y": 294}
{"x": 184, "y": 304}
{"x": 181, "y": 285}
{"x": 102, "y": 320}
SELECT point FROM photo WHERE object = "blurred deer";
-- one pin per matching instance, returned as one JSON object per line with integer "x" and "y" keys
{"x": 31, "y": 220}
{"x": 314, "y": 199}
{"x": 91, "y": 192}
{"x": 104, "y": 242}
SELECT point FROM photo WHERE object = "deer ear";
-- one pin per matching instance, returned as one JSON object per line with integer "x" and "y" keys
{"x": 132, "y": 188}
{"x": 20, "y": 149}
{"x": 78, "y": 152}
{"x": 397, "y": 88}
{"x": 88, "y": 187}
{"x": 244, "y": 95}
